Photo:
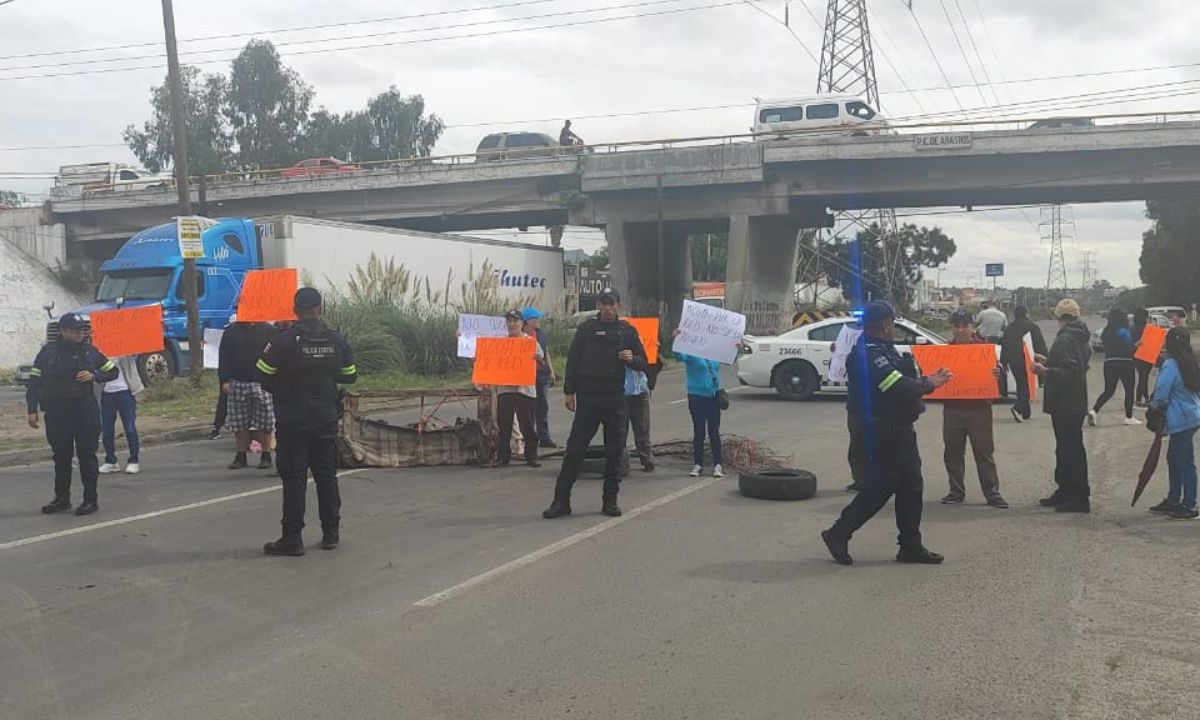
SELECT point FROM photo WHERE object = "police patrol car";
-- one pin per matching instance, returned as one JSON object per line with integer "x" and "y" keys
{"x": 796, "y": 363}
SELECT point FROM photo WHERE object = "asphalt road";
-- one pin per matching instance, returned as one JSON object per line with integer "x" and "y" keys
{"x": 451, "y": 598}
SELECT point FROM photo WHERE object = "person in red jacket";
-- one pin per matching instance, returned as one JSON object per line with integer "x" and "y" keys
{"x": 964, "y": 420}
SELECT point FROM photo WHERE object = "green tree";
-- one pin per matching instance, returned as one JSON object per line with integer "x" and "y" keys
{"x": 861, "y": 271}
{"x": 267, "y": 109}
{"x": 12, "y": 199}
{"x": 709, "y": 253}
{"x": 209, "y": 139}
{"x": 1169, "y": 261}
{"x": 393, "y": 126}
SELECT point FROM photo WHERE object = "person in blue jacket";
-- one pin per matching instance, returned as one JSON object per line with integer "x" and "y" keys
{"x": 1118, "y": 365}
{"x": 703, "y": 384}
{"x": 1177, "y": 392}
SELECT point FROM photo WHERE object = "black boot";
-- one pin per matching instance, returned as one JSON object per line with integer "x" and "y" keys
{"x": 57, "y": 505}
{"x": 87, "y": 507}
{"x": 292, "y": 547}
{"x": 839, "y": 547}
{"x": 264, "y": 461}
{"x": 557, "y": 509}
{"x": 610, "y": 508}
{"x": 919, "y": 555}
{"x": 329, "y": 538}
{"x": 1055, "y": 498}
{"x": 1079, "y": 505}
{"x": 239, "y": 461}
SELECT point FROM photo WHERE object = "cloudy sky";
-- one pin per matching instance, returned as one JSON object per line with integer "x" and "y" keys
{"x": 623, "y": 70}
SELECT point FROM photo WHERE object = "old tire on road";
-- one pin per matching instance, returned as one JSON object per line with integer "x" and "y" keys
{"x": 782, "y": 484}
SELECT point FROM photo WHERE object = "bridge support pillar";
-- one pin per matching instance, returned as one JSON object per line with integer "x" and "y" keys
{"x": 760, "y": 271}
{"x": 634, "y": 257}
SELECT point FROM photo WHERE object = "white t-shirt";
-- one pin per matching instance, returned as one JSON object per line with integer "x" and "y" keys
{"x": 526, "y": 390}
{"x": 118, "y": 385}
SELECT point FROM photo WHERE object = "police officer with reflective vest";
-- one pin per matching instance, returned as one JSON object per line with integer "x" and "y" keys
{"x": 886, "y": 391}
{"x": 302, "y": 367}
{"x": 62, "y": 384}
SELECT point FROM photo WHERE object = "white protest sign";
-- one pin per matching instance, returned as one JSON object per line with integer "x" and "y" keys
{"x": 846, "y": 340}
{"x": 473, "y": 326}
{"x": 189, "y": 231}
{"x": 710, "y": 333}
{"x": 212, "y": 348}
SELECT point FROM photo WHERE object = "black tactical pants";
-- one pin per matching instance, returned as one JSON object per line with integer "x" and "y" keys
{"x": 592, "y": 411}
{"x": 299, "y": 449}
{"x": 893, "y": 467}
{"x": 73, "y": 429}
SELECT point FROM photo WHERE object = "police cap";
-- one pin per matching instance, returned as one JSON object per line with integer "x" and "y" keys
{"x": 72, "y": 321}
{"x": 610, "y": 295}
{"x": 876, "y": 312}
{"x": 307, "y": 298}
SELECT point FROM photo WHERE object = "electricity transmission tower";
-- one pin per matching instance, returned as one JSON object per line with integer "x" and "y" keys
{"x": 848, "y": 66}
{"x": 1052, "y": 230}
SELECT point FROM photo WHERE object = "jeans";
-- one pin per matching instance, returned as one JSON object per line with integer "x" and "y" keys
{"x": 111, "y": 405}
{"x": 1181, "y": 465}
{"x": 1115, "y": 371}
{"x": 1071, "y": 465}
{"x": 706, "y": 416}
{"x": 637, "y": 412}
{"x": 542, "y": 412}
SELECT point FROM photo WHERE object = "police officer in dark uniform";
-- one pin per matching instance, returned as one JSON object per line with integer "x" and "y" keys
{"x": 595, "y": 391}
{"x": 62, "y": 384}
{"x": 302, "y": 367}
{"x": 886, "y": 392}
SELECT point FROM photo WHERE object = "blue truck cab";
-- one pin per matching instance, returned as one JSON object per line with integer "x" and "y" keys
{"x": 148, "y": 269}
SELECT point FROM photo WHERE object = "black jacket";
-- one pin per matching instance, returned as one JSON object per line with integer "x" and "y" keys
{"x": 241, "y": 345}
{"x": 884, "y": 387}
{"x": 302, "y": 367}
{"x": 52, "y": 379}
{"x": 1066, "y": 390}
{"x": 1011, "y": 344}
{"x": 592, "y": 362}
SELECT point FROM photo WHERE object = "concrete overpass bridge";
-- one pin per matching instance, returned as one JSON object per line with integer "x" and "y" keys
{"x": 760, "y": 192}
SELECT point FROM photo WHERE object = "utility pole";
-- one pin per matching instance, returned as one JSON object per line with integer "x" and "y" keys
{"x": 848, "y": 66}
{"x": 1087, "y": 267}
{"x": 175, "y": 81}
{"x": 1051, "y": 227}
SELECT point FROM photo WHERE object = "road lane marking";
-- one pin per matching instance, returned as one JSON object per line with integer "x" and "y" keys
{"x": 547, "y": 551}
{"x": 149, "y": 515}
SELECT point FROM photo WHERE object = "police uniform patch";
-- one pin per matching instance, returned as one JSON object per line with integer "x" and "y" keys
{"x": 882, "y": 362}
{"x": 267, "y": 349}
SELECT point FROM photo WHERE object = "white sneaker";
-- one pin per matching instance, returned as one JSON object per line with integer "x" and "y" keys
{"x": 695, "y": 471}
{"x": 1131, "y": 421}
{"x": 107, "y": 468}
{"x": 132, "y": 469}
{"x": 1091, "y": 418}
{"x": 718, "y": 471}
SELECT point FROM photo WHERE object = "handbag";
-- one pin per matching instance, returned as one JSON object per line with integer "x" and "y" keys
{"x": 721, "y": 396}
{"x": 1156, "y": 420}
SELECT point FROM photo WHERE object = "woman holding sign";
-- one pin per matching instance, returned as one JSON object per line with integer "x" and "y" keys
{"x": 704, "y": 403}
{"x": 517, "y": 400}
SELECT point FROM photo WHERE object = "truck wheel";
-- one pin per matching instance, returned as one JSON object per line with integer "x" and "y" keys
{"x": 796, "y": 380}
{"x": 156, "y": 367}
{"x": 778, "y": 484}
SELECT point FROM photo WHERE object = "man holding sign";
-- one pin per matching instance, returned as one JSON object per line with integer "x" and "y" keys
{"x": 61, "y": 384}
{"x": 595, "y": 391}
{"x": 516, "y": 399}
{"x": 887, "y": 392}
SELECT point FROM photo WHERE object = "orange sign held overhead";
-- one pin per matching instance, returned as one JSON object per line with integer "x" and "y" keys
{"x": 1151, "y": 346}
{"x": 647, "y": 330}
{"x": 267, "y": 296}
{"x": 504, "y": 361}
{"x": 973, "y": 367}
{"x": 128, "y": 331}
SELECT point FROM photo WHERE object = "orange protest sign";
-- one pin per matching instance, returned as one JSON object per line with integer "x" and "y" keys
{"x": 267, "y": 296}
{"x": 1153, "y": 338}
{"x": 504, "y": 361}
{"x": 128, "y": 331}
{"x": 973, "y": 366}
{"x": 647, "y": 330}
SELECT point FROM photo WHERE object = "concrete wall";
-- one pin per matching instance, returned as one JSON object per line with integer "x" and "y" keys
{"x": 24, "y": 285}
{"x": 633, "y": 254}
{"x": 760, "y": 272}
{"x": 27, "y": 229}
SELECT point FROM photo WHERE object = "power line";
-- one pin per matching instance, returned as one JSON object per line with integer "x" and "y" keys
{"x": 346, "y": 38}
{"x": 975, "y": 47}
{"x": 419, "y": 41}
{"x": 876, "y": 24}
{"x": 962, "y": 51}
{"x": 301, "y": 28}
{"x": 987, "y": 35}
{"x": 936, "y": 60}
{"x": 750, "y": 3}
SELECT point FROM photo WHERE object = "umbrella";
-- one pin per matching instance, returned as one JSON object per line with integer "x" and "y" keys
{"x": 1148, "y": 468}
